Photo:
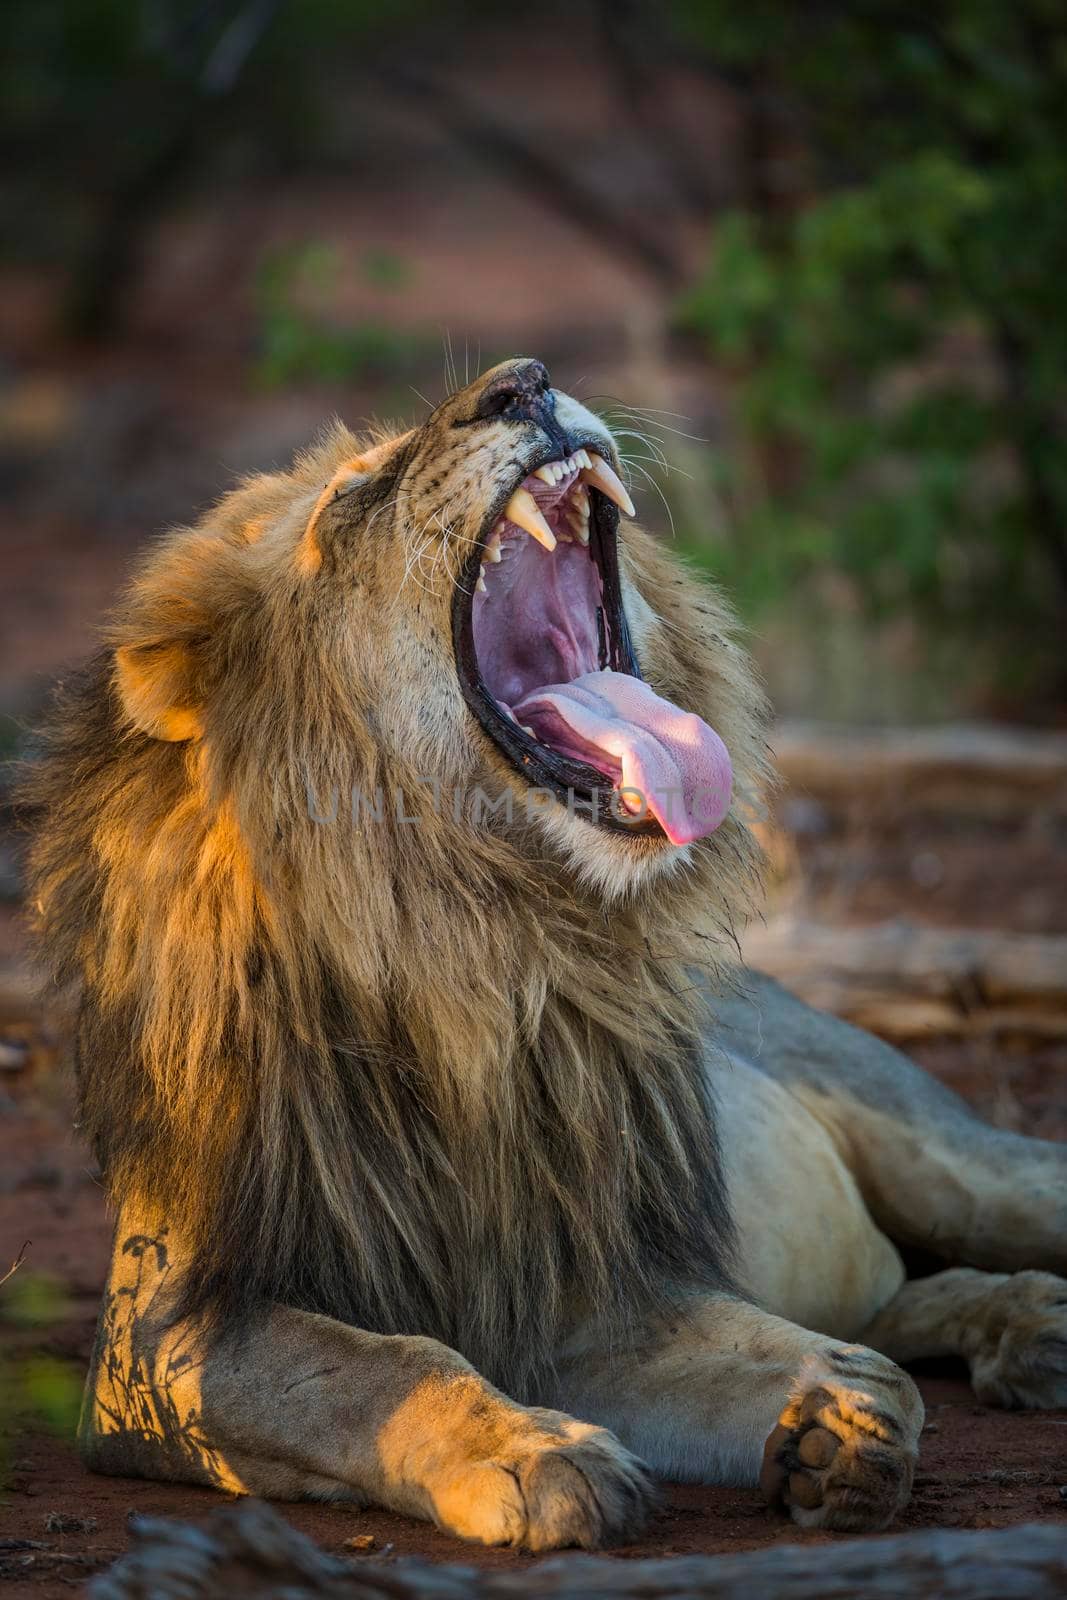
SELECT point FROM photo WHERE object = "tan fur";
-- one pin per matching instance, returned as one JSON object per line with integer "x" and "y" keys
{"x": 399, "y": 1105}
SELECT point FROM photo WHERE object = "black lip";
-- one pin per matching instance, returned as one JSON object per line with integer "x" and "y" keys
{"x": 577, "y": 785}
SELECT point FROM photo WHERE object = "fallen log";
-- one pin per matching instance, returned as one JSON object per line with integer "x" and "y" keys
{"x": 249, "y": 1551}
{"x": 905, "y": 981}
{"x": 963, "y": 769}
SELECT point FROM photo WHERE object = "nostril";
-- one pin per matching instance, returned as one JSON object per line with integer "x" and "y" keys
{"x": 516, "y": 394}
{"x": 496, "y": 402}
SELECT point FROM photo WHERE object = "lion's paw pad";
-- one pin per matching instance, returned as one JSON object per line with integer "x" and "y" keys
{"x": 843, "y": 1454}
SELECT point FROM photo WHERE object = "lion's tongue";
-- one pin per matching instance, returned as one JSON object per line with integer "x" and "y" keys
{"x": 677, "y": 764}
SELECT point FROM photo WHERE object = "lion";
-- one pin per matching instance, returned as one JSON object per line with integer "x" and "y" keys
{"x": 392, "y": 855}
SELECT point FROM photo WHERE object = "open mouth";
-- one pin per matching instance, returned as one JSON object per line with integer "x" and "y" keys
{"x": 546, "y": 663}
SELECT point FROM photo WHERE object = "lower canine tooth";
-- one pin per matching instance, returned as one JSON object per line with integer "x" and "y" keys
{"x": 522, "y": 510}
{"x": 607, "y": 480}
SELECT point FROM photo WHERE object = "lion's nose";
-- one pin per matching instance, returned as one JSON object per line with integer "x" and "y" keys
{"x": 521, "y": 393}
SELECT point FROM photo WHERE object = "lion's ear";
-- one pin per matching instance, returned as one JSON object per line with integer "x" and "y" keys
{"x": 156, "y": 684}
{"x": 348, "y": 476}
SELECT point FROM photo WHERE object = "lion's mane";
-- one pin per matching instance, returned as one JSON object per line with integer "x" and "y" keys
{"x": 415, "y": 1077}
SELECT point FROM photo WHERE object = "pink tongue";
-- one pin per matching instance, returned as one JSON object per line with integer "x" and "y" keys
{"x": 678, "y": 766}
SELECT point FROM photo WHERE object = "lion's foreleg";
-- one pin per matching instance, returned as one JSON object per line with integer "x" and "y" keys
{"x": 730, "y": 1394}
{"x": 295, "y": 1405}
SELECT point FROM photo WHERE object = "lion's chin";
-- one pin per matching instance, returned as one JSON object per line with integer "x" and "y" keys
{"x": 546, "y": 664}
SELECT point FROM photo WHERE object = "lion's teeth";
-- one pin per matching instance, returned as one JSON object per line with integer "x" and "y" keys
{"x": 546, "y": 474}
{"x": 525, "y": 729}
{"x": 522, "y": 510}
{"x": 492, "y": 550}
{"x": 607, "y": 480}
{"x": 480, "y": 585}
{"x": 578, "y": 514}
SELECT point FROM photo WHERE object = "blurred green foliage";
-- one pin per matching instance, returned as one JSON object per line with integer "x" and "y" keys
{"x": 34, "y": 1385}
{"x": 297, "y": 338}
{"x": 892, "y": 311}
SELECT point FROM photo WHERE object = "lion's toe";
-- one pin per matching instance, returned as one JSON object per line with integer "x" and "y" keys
{"x": 590, "y": 1494}
{"x": 573, "y": 1485}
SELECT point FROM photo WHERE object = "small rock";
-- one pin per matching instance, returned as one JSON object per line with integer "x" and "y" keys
{"x": 61, "y": 1522}
{"x": 359, "y": 1541}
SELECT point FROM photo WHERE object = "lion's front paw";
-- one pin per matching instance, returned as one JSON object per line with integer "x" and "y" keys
{"x": 1018, "y": 1348}
{"x": 843, "y": 1454}
{"x": 555, "y": 1484}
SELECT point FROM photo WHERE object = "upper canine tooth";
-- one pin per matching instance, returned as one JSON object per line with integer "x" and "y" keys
{"x": 607, "y": 480}
{"x": 522, "y": 510}
{"x": 546, "y": 474}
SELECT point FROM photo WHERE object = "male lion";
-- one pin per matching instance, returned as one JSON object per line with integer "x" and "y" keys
{"x": 389, "y": 855}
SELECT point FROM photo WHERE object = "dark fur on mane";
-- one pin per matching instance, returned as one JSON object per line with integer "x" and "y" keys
{"x": 424, "y": 1084}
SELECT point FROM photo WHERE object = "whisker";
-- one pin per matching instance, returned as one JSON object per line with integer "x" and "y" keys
{"x": 620, "y": 431}
{"x": 654, "y": 422}
{"x": 412, "y": 560}
{"x": 382, "y": 508}
{"x": 666, "y": 503}
{"x": 666, "y": 467}
{"x": 649, "y": 415}
{"x": 652, "y": 445}
{"x": 452, "y": 361}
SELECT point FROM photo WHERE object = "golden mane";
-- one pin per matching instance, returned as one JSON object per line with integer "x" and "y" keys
{"x": 418, "y": 1074}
